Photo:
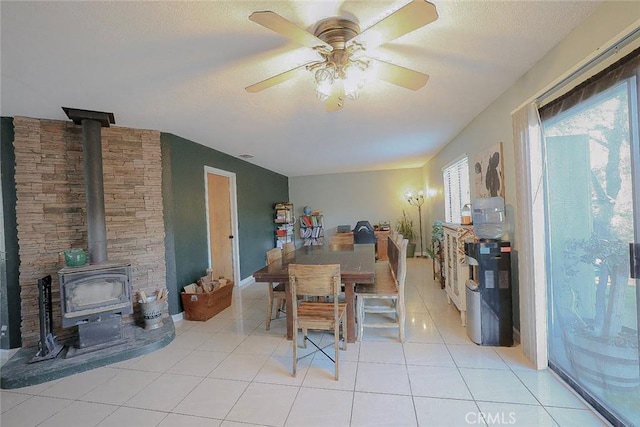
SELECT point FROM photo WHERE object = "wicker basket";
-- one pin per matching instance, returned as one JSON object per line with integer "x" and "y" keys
{"x": 202, "y": 307}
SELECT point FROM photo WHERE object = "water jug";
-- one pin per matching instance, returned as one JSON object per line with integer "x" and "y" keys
{"x": 465, "y": 215}
{"x": 488, "y": 217}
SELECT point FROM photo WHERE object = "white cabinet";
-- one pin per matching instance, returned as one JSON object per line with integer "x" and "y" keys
{"x": 456, "y": 269}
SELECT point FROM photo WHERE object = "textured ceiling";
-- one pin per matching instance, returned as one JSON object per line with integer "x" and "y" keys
{"x": 181, "y": 67}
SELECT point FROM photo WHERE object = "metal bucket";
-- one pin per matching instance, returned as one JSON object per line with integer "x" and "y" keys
{"x": 152, "y": 312}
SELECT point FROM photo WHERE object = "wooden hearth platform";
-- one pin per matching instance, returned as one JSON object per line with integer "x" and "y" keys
{"x": 17, "y": 372}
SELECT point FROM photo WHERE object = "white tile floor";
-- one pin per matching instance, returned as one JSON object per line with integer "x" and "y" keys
{"x": 229, "y": 371}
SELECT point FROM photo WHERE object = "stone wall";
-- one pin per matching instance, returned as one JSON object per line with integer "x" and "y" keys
{"x": 51, "y": 210}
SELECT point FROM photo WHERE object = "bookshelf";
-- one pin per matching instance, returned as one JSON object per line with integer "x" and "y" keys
{"x": 312, "y": 229}
{"x": 284, "y": 219}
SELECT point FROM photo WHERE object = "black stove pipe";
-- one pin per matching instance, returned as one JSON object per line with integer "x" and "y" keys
{"x": 94, "y": 186}
{"x": 92, "y": 122}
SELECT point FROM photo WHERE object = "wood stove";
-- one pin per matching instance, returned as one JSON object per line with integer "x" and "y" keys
{"x": 95, "y": 296}
{"x": 92, "y": 292}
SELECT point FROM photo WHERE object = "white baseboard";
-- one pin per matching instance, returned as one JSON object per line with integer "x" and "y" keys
{"x": 247, "y": 281}
{"x": 177, "y": 317}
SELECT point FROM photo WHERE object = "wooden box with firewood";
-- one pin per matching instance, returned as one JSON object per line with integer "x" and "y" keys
{"x": 206, "y": 298}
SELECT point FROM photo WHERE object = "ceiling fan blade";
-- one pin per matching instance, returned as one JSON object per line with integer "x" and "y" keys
{"x": 400, "y": 76}
{"x": 412, "y": 16}
{"x": 335, "y": 102}
{"x": 277, "y": 79}
{"x": 288, "y": 29}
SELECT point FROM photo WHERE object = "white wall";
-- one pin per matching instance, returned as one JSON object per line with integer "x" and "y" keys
{"x": 347, "y": 198}
{"x": 494, "y": 123}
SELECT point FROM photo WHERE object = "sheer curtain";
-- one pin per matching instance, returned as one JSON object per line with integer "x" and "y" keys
{"x": 529, "y": 231}
{"x": 591, "y": 146}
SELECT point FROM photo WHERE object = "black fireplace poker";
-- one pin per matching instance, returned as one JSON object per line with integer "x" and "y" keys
{"x": 48, "y": 347}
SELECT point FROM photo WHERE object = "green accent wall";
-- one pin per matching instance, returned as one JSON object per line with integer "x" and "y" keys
{"x": 9, "y": 285}
{"x": 183, "y": 191}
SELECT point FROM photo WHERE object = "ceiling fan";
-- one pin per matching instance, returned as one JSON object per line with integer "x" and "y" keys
{"x": 343, "y": 48}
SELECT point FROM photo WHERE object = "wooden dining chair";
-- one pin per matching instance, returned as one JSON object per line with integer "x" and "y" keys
{"x": 277, "y": 293}
{"x": 341, "y": 241}
{"x": 317, "y": 281}
{"x": 386, "y": 295}
{"x": 288, "y": 247}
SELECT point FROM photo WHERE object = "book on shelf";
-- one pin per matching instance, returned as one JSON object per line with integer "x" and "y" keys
{"x": 311, "y": 220}
{"x": 283, "y": 216}
{"x": 284, "y": 219}
{"x": 283, "y": 212}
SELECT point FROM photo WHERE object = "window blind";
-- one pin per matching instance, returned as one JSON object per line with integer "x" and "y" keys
{"x": 456, "y": 189}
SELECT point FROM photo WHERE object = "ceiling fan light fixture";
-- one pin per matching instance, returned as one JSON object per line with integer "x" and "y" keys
{"x": 344, "y": 66}
{"x": 352, "y": 88}
{"x": 351, "y": 84}
{"x": 324, "y": 75}
{"x": 352, "y": 94}
{"x": 341, "y": 69}
{"x": 323, "y": 90}
{"x": 340, "y": 65}
{"x": 355, "y": 80}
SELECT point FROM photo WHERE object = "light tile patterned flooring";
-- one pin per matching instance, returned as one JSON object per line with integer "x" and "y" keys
{"x": 229, "y": 372}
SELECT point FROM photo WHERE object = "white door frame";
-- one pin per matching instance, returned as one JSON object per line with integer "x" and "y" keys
{"x": 233, "y": 205}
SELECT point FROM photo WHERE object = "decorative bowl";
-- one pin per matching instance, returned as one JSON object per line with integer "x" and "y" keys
{"x": 75, "y": 257}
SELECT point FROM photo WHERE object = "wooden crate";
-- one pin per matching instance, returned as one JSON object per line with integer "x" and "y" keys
{"x": 202, "y": 307}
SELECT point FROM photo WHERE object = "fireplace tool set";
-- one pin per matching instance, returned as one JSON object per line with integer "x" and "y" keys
{"x": 48, "y": 347}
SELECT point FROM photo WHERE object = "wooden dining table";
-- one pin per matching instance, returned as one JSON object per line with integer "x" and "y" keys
{"x": 357, "y": 265}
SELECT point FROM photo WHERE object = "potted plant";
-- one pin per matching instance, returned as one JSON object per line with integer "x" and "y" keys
{"x": 435, "y": 252}
{"x": 404, "y": 226}
{"x": 600, "y": 345}
{"x": 437, "y": 236}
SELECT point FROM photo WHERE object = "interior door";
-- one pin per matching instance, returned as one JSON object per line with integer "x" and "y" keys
{"x": 220, "y": 225}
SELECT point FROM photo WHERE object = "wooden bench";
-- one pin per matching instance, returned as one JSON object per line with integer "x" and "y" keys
{"x": 386, "y": 295}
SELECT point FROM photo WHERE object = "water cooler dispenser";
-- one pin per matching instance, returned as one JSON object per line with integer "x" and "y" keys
{"x": 488, "y": 289}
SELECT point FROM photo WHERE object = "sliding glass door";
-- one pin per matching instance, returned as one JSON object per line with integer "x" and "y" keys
{"x": 592, "y": 190}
